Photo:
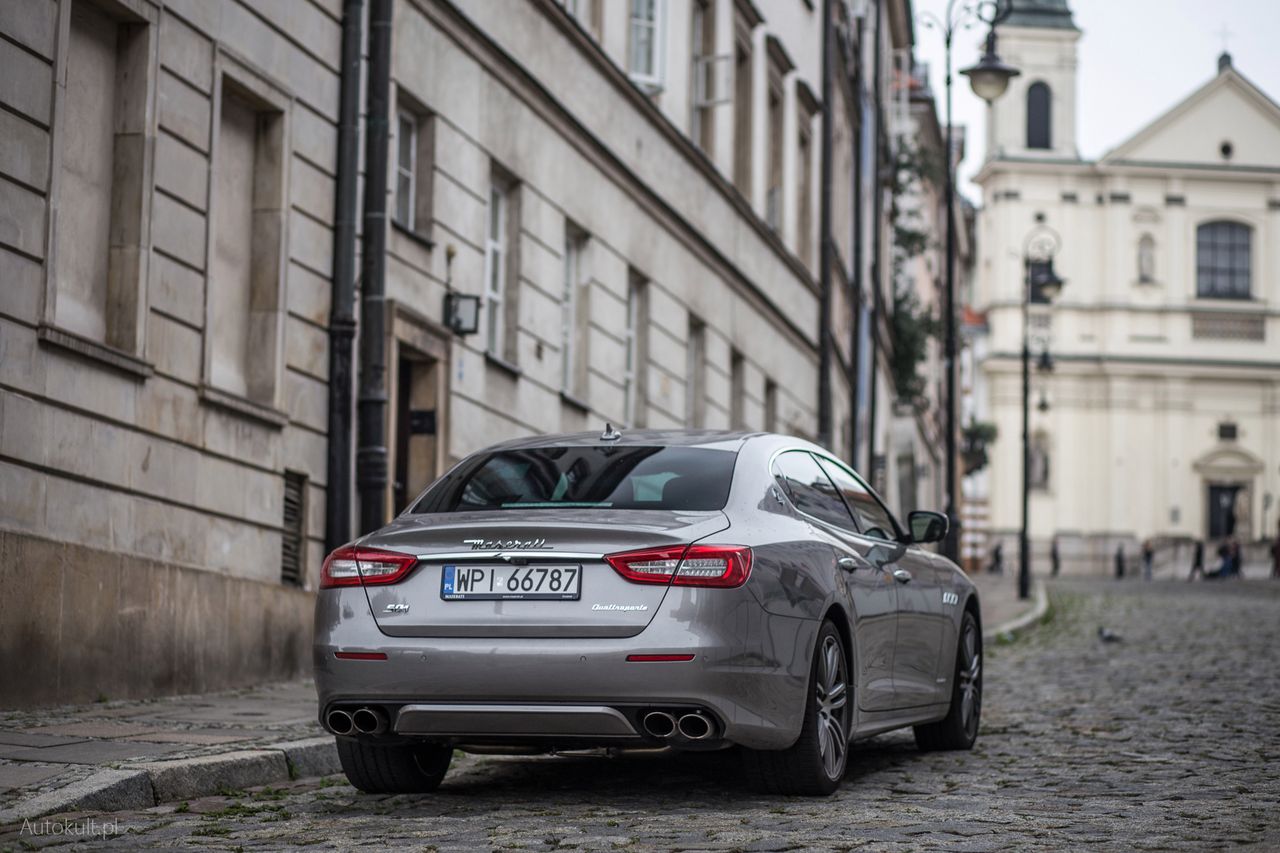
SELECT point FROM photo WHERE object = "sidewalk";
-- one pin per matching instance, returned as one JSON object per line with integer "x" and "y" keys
{"x": 1002, "y": 611}
{"x": 117, "y": 755}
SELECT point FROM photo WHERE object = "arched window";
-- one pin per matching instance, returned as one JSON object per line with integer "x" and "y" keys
{"x": 1223, "y": 260}
{"x": 1039, "y": 101}
{"x": 1146, "y": 259}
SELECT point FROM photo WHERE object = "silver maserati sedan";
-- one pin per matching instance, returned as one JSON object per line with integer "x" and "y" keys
{"x": 681, "y": 590}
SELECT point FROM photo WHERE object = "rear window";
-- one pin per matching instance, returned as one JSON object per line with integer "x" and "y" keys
{"x": 670, "y": 478}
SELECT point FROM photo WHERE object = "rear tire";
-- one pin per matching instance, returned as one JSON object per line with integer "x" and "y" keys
{"x": 959, "y": 728}
{"x": 814, "y": 765}
{"x": 400, "y": 769}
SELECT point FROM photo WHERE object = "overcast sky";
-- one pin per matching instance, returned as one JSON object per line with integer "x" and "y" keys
{"x": 1137, "y": 58}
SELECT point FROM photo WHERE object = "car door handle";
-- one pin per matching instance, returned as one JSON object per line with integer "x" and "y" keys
{"x": 849, "y": 564}
{"x": 902, "y": 575}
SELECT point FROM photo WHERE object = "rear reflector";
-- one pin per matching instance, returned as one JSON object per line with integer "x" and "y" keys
{"x": 694, "y": 565}
{"x": 659, "y": 658}
{"x": 351, "y": 566}
{"x": 360, "y": 655}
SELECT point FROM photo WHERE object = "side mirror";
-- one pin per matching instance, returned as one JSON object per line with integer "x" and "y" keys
{"x": 927, "y": 526}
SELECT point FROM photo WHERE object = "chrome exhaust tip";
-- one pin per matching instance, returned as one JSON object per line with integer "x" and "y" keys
{"x": 694, "y": 727}
{"x": 369, "y": 721}
{"x": 339, "y": 722}
{"x": 659, "y": 724}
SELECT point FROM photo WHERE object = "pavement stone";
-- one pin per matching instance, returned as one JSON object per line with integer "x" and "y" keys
{"x": 91, "y": 752}
{"x": 19, "y": 775}
{"x": 1164, "y": 740}
{"x": 193, "y": 777}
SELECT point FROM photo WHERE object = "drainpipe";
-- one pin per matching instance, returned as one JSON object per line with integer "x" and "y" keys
{"x": 371, "y": 456}
{"x": 877, "y": 220}
{"x": 824, "y": 264}
{"x": 342, "y": 320}
{"x": 855, "y": 350}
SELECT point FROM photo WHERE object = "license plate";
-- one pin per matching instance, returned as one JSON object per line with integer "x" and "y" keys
{"x": 511, "y": 583}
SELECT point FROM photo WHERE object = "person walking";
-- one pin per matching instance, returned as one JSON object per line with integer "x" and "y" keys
{"x": 997, "y": 559}
{"x": 1197, "y": 561}
{"x": 1120, "y": 562}
{"x": 1275, "y": 553}
{"x": 1055, "y": 559}
{"x": 1148, "y": 557}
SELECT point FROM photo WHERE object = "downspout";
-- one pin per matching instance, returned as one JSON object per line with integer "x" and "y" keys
{"x": 877, "y": 219}
{"x": 371, "y": 457}
{"x": 342, "y": 320}
{"x": 855, "y": 349}
{"x": 824, "y": 263}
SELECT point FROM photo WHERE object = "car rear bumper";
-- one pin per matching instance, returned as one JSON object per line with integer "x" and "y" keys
{"x": 576, "y": 688}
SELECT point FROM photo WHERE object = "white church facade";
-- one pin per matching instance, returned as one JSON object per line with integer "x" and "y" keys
{"x": 1160, "y": 416}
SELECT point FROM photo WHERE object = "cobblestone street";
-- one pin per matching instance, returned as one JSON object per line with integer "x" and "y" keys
{"x": 1163, "y": 739}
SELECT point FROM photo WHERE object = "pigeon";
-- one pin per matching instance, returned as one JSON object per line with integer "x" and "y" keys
{"x": 1106, "y": 635}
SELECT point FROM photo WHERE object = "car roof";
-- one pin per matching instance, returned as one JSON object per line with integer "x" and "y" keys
{"x": 718, "y": 439}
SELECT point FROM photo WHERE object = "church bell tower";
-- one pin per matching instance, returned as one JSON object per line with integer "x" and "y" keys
{"x": 1036, "y": 117}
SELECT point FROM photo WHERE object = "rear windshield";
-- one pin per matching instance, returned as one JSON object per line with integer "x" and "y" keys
{"x": 671, "y": 478}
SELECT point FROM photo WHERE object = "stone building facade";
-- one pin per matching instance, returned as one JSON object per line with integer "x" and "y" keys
{"x": 1161, "y": 416}
{"x": 632, "y": 190}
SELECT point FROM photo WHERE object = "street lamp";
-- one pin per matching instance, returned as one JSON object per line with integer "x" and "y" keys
{"x": 1038, "y": 251}
{"x": 989, "y": 78}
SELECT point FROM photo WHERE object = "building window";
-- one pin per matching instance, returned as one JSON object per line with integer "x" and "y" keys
{"x": 695, "y": 379}
{"x": 773, "y": 185}
{"x": 1038, "y": 271}
{"x": 1146, "y": 259}
{"x": 770, "y": 405}
{"x": 573, "y": 312}
{"x": 406, "y": 167}
{"x": 1039, "y": 101}
{"x": 499, "y": 305}
{"x": 293, "y": 528}
{"x": 1223, "y": 260}
{"x": 102, "y": 205}
{"x": 737, "y": 391}
{"x": 804, "y": 195}
{"x": 246, "y": 282}
{"x": 703, "y": 39}
{"x": 637, "y": 354}
{"x": 1038, "y": 478}
{"x": 588, "y": 13}
{"x": 646, "y": 54}
{"x": 742, "y": 116}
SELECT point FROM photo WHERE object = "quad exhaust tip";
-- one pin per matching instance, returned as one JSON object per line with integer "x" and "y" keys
{"x": 659, "y": 724}
{"x": 694, "y": 727}
{"x": 369, "y": 721}
{"x": 339, "y": 722}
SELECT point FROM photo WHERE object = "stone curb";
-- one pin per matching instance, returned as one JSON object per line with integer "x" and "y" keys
{"x": 165, "y": 781}
{"x": 1018, "y": 624}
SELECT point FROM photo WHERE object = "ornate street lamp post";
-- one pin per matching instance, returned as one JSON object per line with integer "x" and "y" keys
{"x": 1038, "y": 276}
{"x": 989, "y": 79}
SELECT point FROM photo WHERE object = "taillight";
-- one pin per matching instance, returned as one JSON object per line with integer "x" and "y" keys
{"x": 693, "y": 565}
{"x": 352, "y": 566}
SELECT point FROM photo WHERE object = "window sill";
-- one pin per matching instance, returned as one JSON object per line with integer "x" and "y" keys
{"x": 503, "y": 365}
{"x": 572, "y": 401}
{"x": 109, "y": 356}
{"x": 419, "y": 238}
{"x": 243, "y": 406}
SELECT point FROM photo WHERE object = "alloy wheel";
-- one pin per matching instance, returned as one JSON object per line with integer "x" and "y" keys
{"x": 833, "y": 704}
{"x": 970, "y": 677}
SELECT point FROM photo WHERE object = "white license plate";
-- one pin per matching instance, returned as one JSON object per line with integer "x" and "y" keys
{"x": 511, "y": 583}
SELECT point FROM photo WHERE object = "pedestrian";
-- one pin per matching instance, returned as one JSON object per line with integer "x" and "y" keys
{"x": 1197, "y": 561}
{"x": 997, "y": 559}
{"x": 1236, "y": 559}
{"x": 1148, "y": 556}
{"x": 1055, "y": 559}
{"x": 1120, "y": 562}
{"x": 1275, "y": 553}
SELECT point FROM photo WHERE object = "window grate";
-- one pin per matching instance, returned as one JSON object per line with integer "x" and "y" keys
{"x": 293, "y": 528}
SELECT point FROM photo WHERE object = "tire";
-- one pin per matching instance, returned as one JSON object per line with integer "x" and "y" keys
{"x": 401, "y": 769}
{"x": 959, "y": 728}
{"x": 814, "y": 765}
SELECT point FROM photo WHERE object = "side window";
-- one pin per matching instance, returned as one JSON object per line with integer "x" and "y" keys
{"x": 872, "y": 516}
{"x": 810, "y": 490}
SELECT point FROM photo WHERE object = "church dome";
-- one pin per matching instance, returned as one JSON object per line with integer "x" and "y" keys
{"x": 1050, "y": 14}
